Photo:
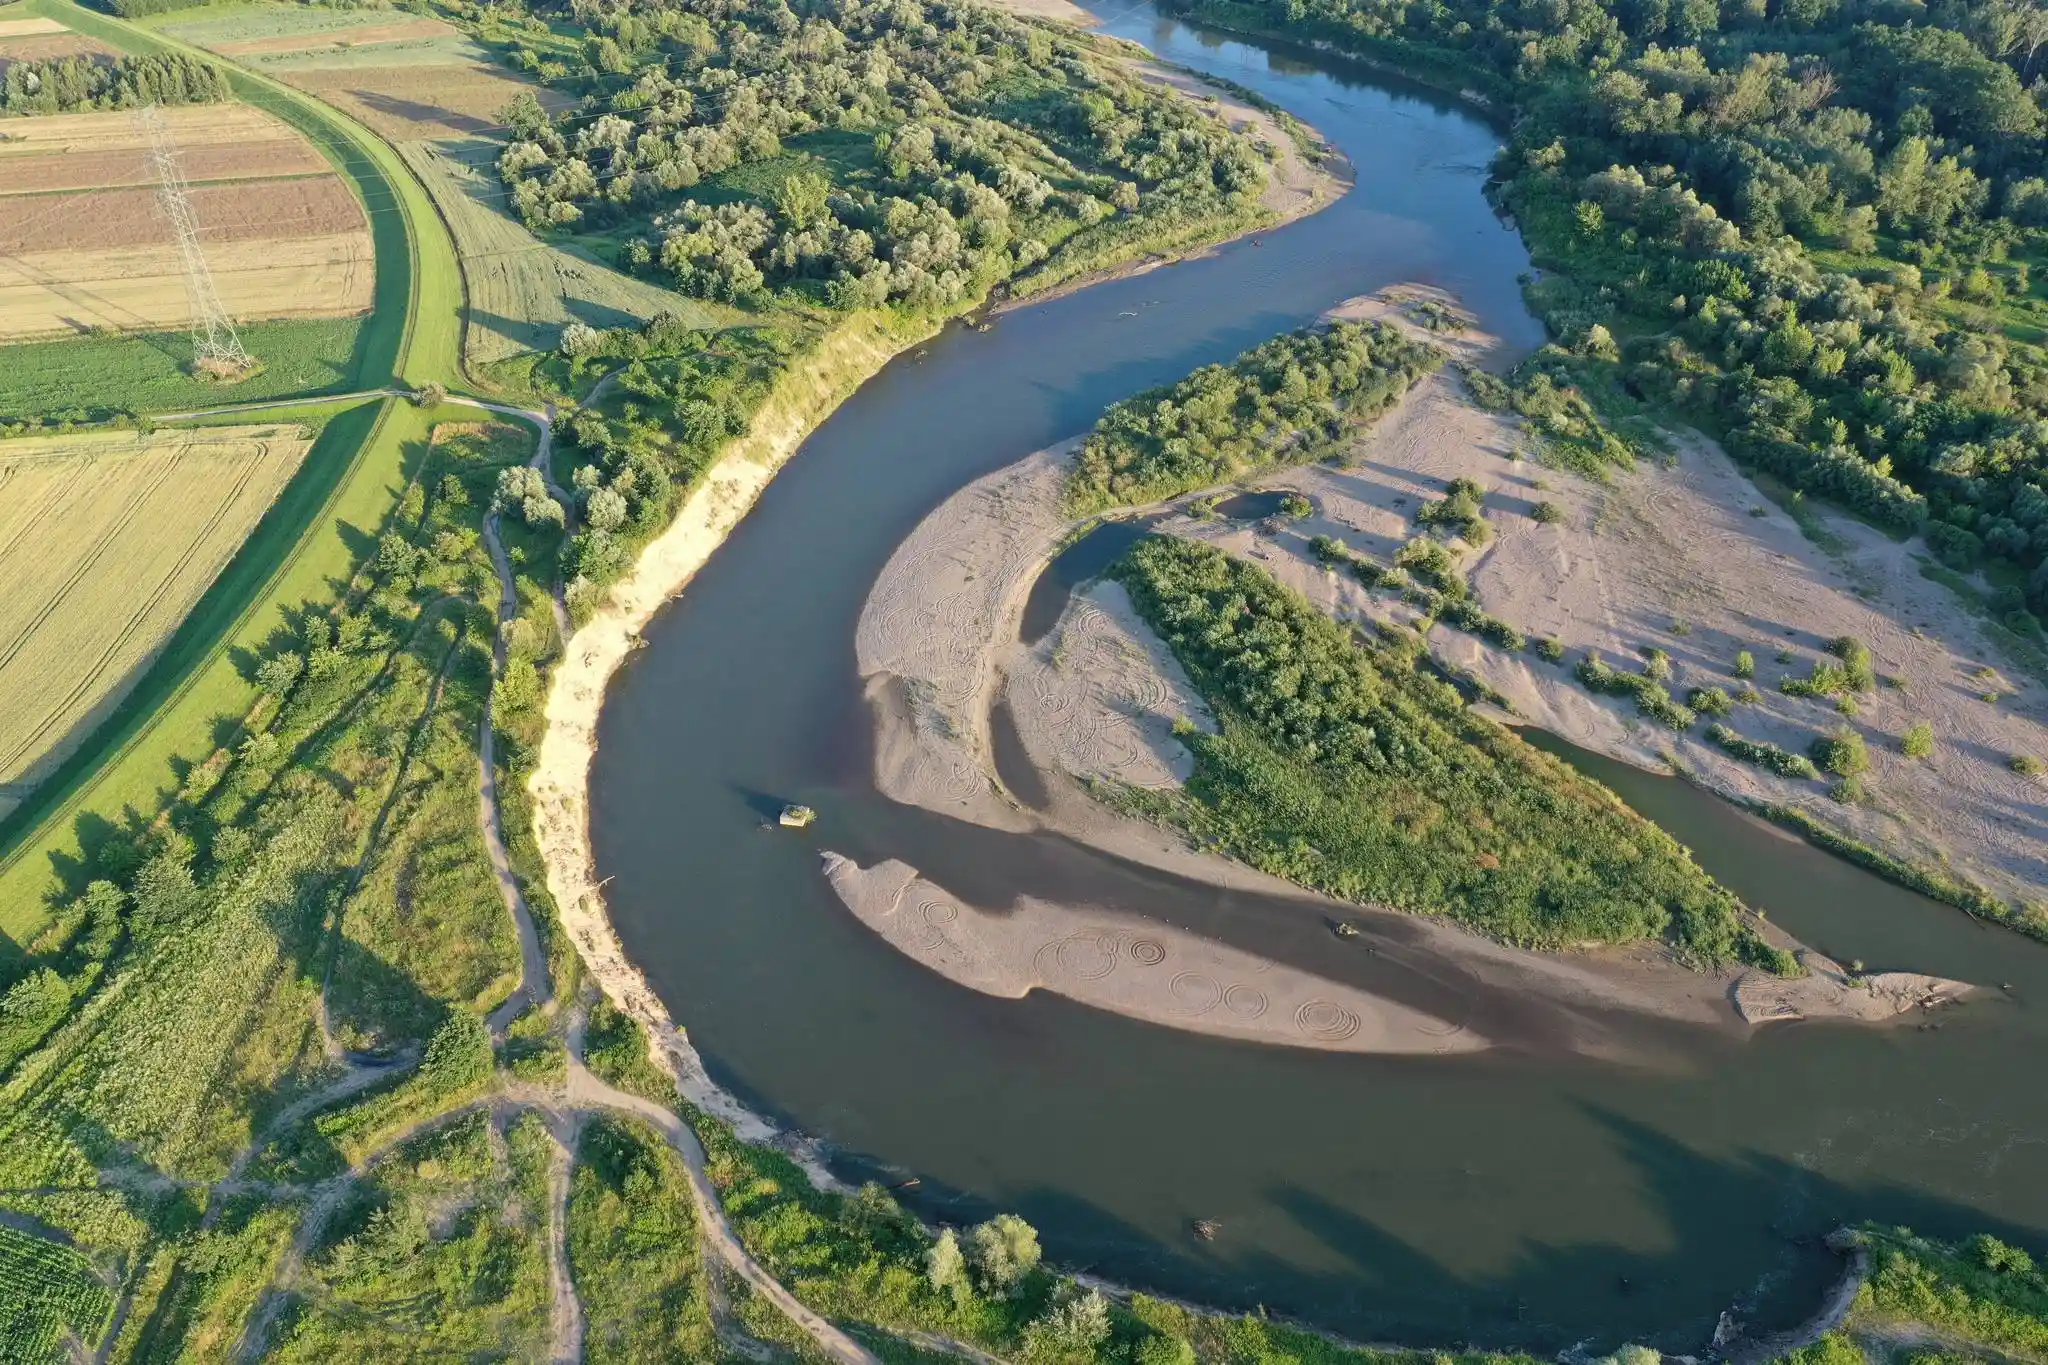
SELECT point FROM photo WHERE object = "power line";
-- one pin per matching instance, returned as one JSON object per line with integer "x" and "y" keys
{"x": 216, "y": 347}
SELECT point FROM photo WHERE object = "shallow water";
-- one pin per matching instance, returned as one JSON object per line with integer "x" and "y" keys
{"x": 1522, "y": 1196}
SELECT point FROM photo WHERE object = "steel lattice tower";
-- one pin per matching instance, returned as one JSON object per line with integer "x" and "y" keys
{"x": 216, "y": 348}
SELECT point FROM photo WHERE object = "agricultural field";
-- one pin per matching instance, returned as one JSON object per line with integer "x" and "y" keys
{"x": 405, "y": 78}
{"x": 107, "y": 540}
{"x": 83, "y": 378}
{"x": 523, "y": 291}
{"x": 83, "y": 248}
{"x": 46, "y": 40}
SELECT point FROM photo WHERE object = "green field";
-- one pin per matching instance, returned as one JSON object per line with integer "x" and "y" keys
{"x": 322, "y": 526}
{"x": 93, "y": 376}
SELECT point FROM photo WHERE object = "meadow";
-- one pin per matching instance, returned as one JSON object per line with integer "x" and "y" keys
{"x": 523, "y": 291}
{"x": 106, "y": 542}
{"x": 96, "y": 377}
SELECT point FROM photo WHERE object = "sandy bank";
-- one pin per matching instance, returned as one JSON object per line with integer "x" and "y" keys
{"x": 1096, "y": 700}
{"x": 560, "y": 782}
{"x": 1689, "y": 558}
{"x": 1131, "y": 966}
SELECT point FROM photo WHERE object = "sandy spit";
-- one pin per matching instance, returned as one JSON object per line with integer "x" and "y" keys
{"x": 1096, "y": 699}
{"x": 1130, "y": 965}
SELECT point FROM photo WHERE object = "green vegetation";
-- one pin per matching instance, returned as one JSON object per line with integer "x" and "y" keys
{"x": 1351, "y": 770}
{"x": 1458, "y": 513}
{"x": 439, "y": 1254}
{"x": 1815, "y": 229}
{"x": 1426, "y": 574}
{"x": 1918, "y": 741}
{"x": 1289, "y": 401}
{"x": 72, "y": 84}
{"x": 1842, "y": 753}
{"x": 1984, "y": 1294}
{"x": 1852, "y": 672}
{"x": 851, "y": 162}
{"x": 92, "y": 379}
{"x": 1936, "y": 883}
{"x": 634, "y": 1252}
{"x": 1652, "y": 698}
{"x": 46, "y": 1291}
{"x": 1762, "y": 753}
{"x": 2026, "y": 765}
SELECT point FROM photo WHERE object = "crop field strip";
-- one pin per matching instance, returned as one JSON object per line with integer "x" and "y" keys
{"x": 412, "y": 335}
{"x": 82, "y": 245}
{"x": 106, "y": 542}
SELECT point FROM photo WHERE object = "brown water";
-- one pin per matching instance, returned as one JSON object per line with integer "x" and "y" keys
{"x": 1517, "y": 1197}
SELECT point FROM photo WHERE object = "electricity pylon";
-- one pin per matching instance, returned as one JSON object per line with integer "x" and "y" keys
{"x": 216, "y": 348}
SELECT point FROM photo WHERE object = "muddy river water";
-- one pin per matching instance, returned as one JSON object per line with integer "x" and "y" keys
{"x": 1518, "y": 1196}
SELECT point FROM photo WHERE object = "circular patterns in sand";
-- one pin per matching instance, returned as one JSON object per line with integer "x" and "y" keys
{"x": 1326, "y": 1021}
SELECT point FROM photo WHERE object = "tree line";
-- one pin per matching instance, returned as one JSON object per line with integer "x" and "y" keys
{"x": 66, "y": 85}
{"x": 1285, "y": 402}
{"x": 1805, "y": 219}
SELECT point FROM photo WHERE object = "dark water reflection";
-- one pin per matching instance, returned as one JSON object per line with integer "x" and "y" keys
{"x": 1518, "y": 1196}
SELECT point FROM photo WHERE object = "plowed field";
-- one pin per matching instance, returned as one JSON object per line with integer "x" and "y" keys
{"x": 83, "y": 244}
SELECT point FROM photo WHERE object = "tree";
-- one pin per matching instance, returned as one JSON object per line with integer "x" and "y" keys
{"x": 431, "y": 394}
{"x": 945, "y": 1269}
{"x": 1002, "y": 1252}
{"x": 800, "y": 198}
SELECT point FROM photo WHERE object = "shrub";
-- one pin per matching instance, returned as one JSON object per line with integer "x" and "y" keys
{"x": 1745, "y": 664}
{"x": 1764, "y": 755}
{"x": 1841, "y": 753}
{"x": 1294, "y": 505}
{"x": 2026, "y": 765}
{"x": 1548, "y": 513}
{"x": 1550, "y": 649}
{"x": 1918, "y": 741}
{"x": 1709, "y": 701}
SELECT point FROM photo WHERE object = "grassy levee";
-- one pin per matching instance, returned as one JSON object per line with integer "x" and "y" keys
{"x": 310, "y": 541}
{"x": 346, "y": 485}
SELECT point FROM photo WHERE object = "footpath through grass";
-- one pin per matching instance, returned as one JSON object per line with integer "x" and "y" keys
{"x": 324, "y": 524}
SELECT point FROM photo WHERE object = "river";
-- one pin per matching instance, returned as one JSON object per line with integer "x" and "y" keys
{"x": 1517, "y": 1197}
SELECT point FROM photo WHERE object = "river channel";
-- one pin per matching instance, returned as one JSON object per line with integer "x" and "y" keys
{"x": 1521, "y": 1196}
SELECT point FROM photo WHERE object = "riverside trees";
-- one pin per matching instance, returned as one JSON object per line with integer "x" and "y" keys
{"x": 1285, "y": 402}
{"x": 1816, "y": 229}
{"x": 865, "y": 153}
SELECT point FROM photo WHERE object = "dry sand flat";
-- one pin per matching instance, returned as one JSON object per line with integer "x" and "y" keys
{"x": 1096, "y": 699}
{"x": 1131, "y": 966}
{"x": 1678, "y": 558}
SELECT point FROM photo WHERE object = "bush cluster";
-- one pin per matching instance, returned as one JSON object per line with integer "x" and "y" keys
{"x": 1288, "y": 401}
{"x": 1353, "y": 770}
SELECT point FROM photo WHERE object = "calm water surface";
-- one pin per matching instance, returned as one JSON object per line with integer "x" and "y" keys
{"x": 1521, "y": 1196}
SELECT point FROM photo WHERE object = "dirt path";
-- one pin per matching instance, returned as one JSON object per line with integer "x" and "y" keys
{"x": 565, "y": 1309}
{"x": 535, "y": 987}
{"x": 587, "y": 1091}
